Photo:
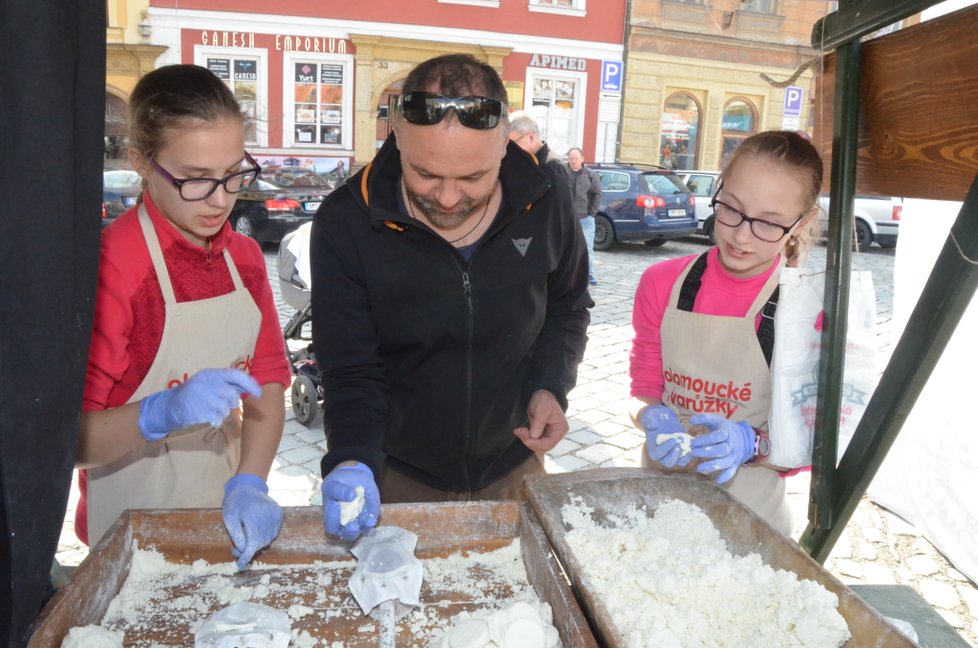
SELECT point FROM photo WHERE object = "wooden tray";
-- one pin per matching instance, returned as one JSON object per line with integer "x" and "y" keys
{"x": 611, "y": 490}
{"x": 184, "y": 536}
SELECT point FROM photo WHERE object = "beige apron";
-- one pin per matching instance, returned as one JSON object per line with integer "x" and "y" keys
{"x": 186, "y": 469}
{"x": 713, "y": 364}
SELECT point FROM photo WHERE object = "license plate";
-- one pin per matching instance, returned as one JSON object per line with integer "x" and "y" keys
{"x": 677, "y": 212}
{"x": 312, "y": 206}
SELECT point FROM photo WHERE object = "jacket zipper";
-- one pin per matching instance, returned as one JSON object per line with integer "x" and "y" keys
{"x": 469, "y": 326}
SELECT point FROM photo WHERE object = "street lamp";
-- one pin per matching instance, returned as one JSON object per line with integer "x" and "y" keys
{"x": 145, "y": 27}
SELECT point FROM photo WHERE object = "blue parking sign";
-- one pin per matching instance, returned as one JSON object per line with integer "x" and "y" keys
{"x": 611, "y": 75}
{"x": 792, "y": 101}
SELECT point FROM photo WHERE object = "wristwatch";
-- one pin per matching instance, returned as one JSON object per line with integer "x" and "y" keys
{"x": 762, "y": 446}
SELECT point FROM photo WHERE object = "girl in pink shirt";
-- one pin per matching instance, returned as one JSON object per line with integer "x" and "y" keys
{"x": 704, "y": 331}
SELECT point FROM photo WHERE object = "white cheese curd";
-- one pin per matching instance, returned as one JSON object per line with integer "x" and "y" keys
{"x": 93, "y": 636}
{"x": 669, "y": 581}
{"x": 351, "y": 509}
{"x": 685, "y": 441}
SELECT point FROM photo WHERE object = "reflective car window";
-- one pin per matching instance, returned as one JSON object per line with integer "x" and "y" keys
{"x": 613, "y": 181}
{"x": 701, "y": 185}
{"x": 121, "y": 180}
{"x": 663, "y": 183}
{"x": 294, "y": 178}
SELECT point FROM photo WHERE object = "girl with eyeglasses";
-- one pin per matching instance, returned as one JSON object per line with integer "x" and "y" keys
{"x": 700, "y": 358}
{"x": 184, "y": 392}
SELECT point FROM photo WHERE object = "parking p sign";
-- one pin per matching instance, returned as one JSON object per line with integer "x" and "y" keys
{"x": 611, "y": 76}
{"x": 792, "y": 101}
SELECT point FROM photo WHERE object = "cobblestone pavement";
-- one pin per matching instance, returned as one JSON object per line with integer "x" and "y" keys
{"x": 877, "y": 547}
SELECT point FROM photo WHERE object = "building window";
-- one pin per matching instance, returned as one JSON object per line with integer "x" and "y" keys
{"x": 679, "y": 139}
{"x": 244, "y": 74}
{"x": 570, "y": 7}
{"x": 318, "y": 106}
{"x": 556, "y": 102}
{"x": 739, "y": 123}
{"x": 116, "y": 128}
{"x": 760, "y": 6}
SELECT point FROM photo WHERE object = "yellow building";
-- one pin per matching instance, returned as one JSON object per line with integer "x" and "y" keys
{"x": 129, "y": 55}
{"x": 702, "y": 76}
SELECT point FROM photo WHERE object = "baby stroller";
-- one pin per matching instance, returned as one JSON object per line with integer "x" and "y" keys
{"x": 294, "y": 282}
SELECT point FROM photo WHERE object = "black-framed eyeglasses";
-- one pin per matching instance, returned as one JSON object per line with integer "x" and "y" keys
{"x": 426, "y": 108}
{"x": 762, "y": 229}
{"x": 201, "y": 188}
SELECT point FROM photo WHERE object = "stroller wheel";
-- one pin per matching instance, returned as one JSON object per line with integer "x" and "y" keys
{"x": 305, "y": 400}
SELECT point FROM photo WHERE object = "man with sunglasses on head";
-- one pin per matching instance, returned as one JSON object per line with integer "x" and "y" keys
{"x": 451, "y": 307}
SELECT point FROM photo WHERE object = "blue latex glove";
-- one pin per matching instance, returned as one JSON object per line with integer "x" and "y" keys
{"x": 252, "y": 518}
{"x": 340, "y": 486}
{"x": 728, "y": 445}
{"x": 659, "y": 419}
{"x": 207, "y": 397}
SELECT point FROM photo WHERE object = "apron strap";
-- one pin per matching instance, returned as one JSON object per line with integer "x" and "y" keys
{"x": 156, "y": 255}
{"x": 691, "y": 286}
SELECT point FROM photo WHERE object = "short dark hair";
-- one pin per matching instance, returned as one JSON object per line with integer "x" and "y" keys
{"x": 456, "y": 75}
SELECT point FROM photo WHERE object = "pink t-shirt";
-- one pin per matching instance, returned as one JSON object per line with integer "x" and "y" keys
{"x": 719, "y": 294}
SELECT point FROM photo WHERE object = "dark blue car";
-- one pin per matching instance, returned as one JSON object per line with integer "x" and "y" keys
{"x": 642, "y": 203}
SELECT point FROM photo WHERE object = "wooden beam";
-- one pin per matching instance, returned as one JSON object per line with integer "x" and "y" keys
{"x": 918, "y": 117}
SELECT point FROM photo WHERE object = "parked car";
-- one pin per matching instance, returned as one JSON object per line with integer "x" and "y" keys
{"x": 120, "y": 191}
{"x": 877, "y": 220}
{"x": 282, "y": 199}
{"x": 703, "y": 184}
{"x": 642, "y": 203}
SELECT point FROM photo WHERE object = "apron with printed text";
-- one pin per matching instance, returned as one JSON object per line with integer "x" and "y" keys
{"x": 189, "y": 467}
{"x": 714, "y": 364}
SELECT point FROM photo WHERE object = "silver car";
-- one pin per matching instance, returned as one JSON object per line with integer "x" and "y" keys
{"x": 702, "y": 184}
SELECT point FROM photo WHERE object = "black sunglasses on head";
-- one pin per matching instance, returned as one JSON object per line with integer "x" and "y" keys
{"x": 426, "y": 108}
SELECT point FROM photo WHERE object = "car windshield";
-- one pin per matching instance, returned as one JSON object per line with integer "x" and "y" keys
{"x": 293, "y": 178}
{"x": 664, "y": 183}
{"x": 121, "y": 181}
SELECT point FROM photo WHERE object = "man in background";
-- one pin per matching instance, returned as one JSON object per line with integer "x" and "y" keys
{"x": 586, "y": 196}
{"x": 524, "y": 131}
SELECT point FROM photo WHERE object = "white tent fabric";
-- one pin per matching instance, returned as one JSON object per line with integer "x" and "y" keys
{"x": 931, "y": 472}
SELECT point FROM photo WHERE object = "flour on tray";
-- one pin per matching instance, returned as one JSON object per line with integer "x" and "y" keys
{"x": 157, "y": 592}
{"x": 670, "y": 581}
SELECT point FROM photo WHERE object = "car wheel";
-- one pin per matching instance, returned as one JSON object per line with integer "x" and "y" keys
{"x": 604, "y": 234}
{"x": 243, "y": 227}
{"x": 864, "y": 236}
{"x": 656, "y": 242}
{"x": 710, "y": 234}
{"x": 305, "y": 400}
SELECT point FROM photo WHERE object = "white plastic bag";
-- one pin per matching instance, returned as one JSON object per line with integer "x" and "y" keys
{"x": 795, "y": 361}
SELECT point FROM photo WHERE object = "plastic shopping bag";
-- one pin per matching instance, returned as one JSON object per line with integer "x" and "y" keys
{"x": 795, "y": 362}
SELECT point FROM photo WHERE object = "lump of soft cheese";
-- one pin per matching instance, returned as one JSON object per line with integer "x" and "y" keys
{"x": 93, "y": 636}
{"x": 350, "y": 510}
{"x": 669, "y": 580}
{"x": 521, "y": 624}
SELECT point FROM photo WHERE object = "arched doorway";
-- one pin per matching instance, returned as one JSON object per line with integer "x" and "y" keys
{"x": 679, "y": 136}
{"x": 116, "y": 131}
{"x": 386, "y": 107}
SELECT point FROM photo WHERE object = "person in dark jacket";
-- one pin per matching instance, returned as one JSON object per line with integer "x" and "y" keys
{"x": 524, "y": 131}
{"x": 585, "y": 190}
{"x": 451, "y": 307}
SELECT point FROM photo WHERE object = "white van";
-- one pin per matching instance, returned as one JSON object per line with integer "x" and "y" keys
{"x": 877, "y": 220}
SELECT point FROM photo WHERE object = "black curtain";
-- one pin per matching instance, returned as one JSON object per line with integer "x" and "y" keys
{"x": 52, "y": 103}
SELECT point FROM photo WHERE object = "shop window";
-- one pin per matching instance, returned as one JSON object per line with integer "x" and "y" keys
{"x": 558, "y": 6}
{"x": 679, "y": 138}
{"x": 319, "y": 113}
{"x": 739, "y": 123}
{"x": 243, "y": 75}
{"x": 760, "y": 6}
{"x": 116, "y": 130}
{"x": 556, "y": 103}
